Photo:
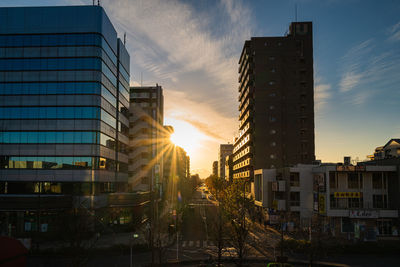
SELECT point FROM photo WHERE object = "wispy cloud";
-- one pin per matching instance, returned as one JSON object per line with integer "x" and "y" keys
{"x": 394, "y": 32}
{"x": 368, "y": 69}
{"x": 192, "y": 52}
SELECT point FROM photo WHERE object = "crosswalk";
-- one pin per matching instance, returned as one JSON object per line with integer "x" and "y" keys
{"x": 197, "y": 243}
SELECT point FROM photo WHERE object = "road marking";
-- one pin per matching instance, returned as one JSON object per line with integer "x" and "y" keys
{"x": 191, "y": 243}
{"x": 198, "y": 243}
{"x": 184, "y": 244}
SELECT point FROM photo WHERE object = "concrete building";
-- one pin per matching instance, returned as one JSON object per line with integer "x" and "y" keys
{"x": 215, "y": 168}
{"x": 390, "y": 150}
{"x": 146, "y": 131}
{"x": 359, "y": 201}
{"x": 356, "y": 202}
{"x": 64, "y": 81}
{"x": 288, "y": 190}
{"x": 224, "y": 150}
{"x": 276, "y": 95}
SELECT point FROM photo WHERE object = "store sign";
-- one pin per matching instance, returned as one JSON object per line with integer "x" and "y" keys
{"x": 348, "y": 195}
{"x": 369, "y": 214}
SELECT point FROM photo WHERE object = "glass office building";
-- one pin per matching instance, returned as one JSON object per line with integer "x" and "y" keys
{"x": 64, "y": 92}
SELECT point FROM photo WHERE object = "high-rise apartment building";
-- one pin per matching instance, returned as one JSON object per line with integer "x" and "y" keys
{"x": 276, "y": 95}
{"x": 64, "y": 78}
{"x": 224, "y": 150}
{"x": 146, "y": 134}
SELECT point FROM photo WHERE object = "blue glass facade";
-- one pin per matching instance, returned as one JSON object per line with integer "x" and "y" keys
{"x": 64, "y": 81}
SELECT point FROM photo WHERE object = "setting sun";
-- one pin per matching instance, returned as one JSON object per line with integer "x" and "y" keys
{"x": 186, "y": 136}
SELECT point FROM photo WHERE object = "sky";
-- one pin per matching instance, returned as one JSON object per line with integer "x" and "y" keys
{"x": 192, "y": 48}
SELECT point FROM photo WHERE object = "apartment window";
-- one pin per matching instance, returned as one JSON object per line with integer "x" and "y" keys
{"x": 384, "y": 227}
{"x": 294, "y": 179}
{"x": 272, "y": 156}
{"x": 378, "y": 182}
{"x": 332, "y": 180}
{"x": 272, "y": 95}
{"x": 272, "y": 131}
{"x": 354, "y": 181}
{"x": 273, "y": 143}
{"x": 355, "y": 202}
{"x": 271, "y": 82}
{"x": 273, "y": 70}
{"x": 379, "y": 201}
{"x": 265, "y": 44}
{"x": 271, "y": 107}
{"x": 271, "y": 58}
{"x": 272, "y": 119}
{"x": 333, "y": 202}
{"x": 295, "y": 199}
{"x": 279, "y": 43}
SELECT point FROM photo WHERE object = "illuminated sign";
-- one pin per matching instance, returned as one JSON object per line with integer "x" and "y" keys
{"x": 348, "y": 195}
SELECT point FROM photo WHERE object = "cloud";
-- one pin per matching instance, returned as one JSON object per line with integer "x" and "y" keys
{"x": 394, "y": 32}
{"x": 322, "y": 95}
{"x": 368, "y": 69}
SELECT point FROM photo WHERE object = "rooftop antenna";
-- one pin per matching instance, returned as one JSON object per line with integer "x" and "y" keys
{"x": 98, "y": 2}
{"x": 93, "y": 2}
{"x": 124, "y": 38}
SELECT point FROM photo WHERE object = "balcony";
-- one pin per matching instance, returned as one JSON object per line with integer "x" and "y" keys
{"x": 242, "y": 164}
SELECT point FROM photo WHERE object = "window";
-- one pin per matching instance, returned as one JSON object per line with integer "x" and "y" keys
{"x": 272, "y": 95}
{"x": 271, "y": 58}
{"x": 272, "y": 131}
{"x": 354, "y": 181}
{"x": 294, "y": 179}
{"x": 273, "y": 70}
{"x": 378, "y": 182}
{"x": 272, "y": 156}
{"x": 384, "y": 227}
{"x": 355, "y": 202}
{"x": 332, "y": 180}
{"x": 271, "y": 82}
{"x": 347, "y": 225}
{"x": 271, "y": 107}
{"x": 272, "y": 119}
{"x": 273, "y": 144}
{"x": 379, "y": 201}
{"x": 295, "y": 199}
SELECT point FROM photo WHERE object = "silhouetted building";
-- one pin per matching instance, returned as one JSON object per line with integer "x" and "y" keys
{"x": 215, "y": 168}
{"x": 145, "y": 137}
{"x": 276, "y": 95}
{"x": 224, "y": 150}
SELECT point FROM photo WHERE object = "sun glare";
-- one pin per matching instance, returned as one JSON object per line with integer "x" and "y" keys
{"x": 186, "y": 136}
